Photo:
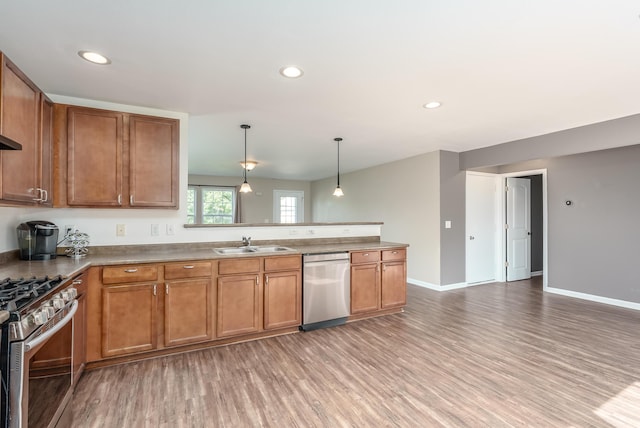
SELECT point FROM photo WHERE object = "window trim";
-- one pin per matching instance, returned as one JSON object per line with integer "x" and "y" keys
{"x": 198, "y": 201}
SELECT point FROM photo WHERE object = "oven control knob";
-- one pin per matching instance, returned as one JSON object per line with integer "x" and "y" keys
{"x": 51, "y": 311}
{"x": 40, "y": 316}
{"x": 69, "y": 294}
{"x": 57, "y": 302}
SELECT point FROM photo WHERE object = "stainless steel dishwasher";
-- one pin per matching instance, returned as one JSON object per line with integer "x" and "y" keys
{"x": 325, "y": 290}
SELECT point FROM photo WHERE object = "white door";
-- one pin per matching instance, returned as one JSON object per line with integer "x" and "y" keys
{"x": 288, "y": 206}
{"x": 481, "y": 228}
{"x": 518, "y": 228}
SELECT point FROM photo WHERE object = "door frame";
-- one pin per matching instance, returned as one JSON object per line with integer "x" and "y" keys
{"x": 502, "y": 233}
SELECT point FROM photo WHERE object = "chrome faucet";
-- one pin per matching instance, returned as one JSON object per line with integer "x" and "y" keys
{"x": 246, "y": 240}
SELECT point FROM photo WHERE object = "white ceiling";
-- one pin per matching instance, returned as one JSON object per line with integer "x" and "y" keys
{"x": 503, "y": 70}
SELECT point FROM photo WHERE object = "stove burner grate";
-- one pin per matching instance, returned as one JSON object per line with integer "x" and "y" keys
{"x": 17, "y": 293}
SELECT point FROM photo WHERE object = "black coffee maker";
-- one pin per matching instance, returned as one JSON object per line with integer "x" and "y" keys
{"x": 37, "y": 240}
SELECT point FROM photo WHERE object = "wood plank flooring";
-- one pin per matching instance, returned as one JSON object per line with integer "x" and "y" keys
{"x": 492, "y": 355}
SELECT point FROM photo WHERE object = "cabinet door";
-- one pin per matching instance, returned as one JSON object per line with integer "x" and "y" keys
{"x": 187, "y": 311}
{"x": 282, "y": 300}
{"x": 19, "y": 121}
{"x": 153, "y": 162}
{"x": 94, "y": 157}
{"x": 394, "y": 284}
{"x": 238, "y": 305}
{"x": 128, "y": 319}
{"x": 46, "y": 152}
{"x": 365, "y": 288}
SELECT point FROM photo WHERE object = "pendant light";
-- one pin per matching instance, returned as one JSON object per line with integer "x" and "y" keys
{"x": 338, "y": 192}
{"x": 245, "y": 188}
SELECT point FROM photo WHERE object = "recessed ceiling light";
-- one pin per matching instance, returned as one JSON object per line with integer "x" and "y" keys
{"x": 291, "y": 71}
{"x": 432, "y": 104}
{"x": 94, "y": 57}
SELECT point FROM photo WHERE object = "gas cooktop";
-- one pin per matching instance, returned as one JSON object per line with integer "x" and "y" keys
{"x": 15, "y": 294}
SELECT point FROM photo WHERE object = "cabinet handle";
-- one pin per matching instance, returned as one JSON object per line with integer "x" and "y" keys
{"x": 365, "y": 255}
{"x": 266, "y": 280}
{"x": 257, "y": 280}
{"x": 45, "y": 196}
{"x": 394, "y": 252}
{"x": 188, "y": 267}
{"x": 38, "y": 192}
{"x": 119, "y": 199}
{"x": 384, "y": 267}
{"x": 134, "y": 270}
{"x": 166, "y": 288}
{"x": 130, "y": 199}
{"x": 155, "y": 290}
{"x": 76, "y": 282}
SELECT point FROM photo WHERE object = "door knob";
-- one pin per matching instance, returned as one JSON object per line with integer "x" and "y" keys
{"x": 471, "y": 238}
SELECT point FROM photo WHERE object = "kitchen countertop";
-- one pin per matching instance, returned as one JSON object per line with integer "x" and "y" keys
{"x": 67, "y": 267}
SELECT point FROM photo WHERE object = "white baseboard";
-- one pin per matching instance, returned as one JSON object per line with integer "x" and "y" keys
{"x": 447, "y": 287}
{"x": 537, "y": 273}
{"x": 594, "y": 298}
{"x": 560, "y": 291}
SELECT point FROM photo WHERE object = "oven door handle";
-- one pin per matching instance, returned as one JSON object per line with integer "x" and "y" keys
{"x": 46, "y": 335}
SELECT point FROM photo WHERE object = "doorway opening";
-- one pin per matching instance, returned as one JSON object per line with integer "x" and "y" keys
{"x": 524, "y": 220}
{"x": 486, "y": 219}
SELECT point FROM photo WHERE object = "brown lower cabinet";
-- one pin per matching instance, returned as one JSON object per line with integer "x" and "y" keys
{"x": 378, "y": 280}
{"x": 282, "y": 292}
{"x": 129, "y": 319}
{"x": 239, "y": 305}
{"x": 145, "y": 308}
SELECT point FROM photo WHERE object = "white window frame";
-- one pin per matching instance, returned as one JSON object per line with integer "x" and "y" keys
{"x": 298, "y": 194}
{"x": 198, "y": 218}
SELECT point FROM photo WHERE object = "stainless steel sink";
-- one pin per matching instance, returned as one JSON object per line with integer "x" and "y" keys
{"x": 252, "y": 249}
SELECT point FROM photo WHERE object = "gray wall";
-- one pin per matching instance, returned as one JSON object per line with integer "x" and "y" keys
{"x": 404, "y": 195}
{"x": 621, "y": 132}
{"x": 452, "y": 208}
{"x": 594, "y": 243}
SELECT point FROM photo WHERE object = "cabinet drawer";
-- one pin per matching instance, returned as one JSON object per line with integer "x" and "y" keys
{"x": 365, "y": 256}
{"x": 397, "y": 254}
{"x": 129, "y": 273}
{"x": 233, "y": 266}
{"x": 282, "y": 263}
{"x": 187, "y": 270}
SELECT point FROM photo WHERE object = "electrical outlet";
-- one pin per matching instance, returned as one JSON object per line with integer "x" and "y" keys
{"x": 170, "y": 229}
{"x": 121, "y": 230}
{"x": 69, "y": 228}
{"x": 293, "y": 232}
{"x": 311, "y": 232}
{"x": 155, "y": 230}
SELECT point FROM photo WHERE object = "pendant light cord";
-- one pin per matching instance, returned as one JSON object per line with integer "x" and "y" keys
{"x": 245, "y": 127}
{"x": 338, "y": 141}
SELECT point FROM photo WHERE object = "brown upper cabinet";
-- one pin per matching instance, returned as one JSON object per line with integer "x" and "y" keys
{"x": 115, "y": 159}
{"x": 25, "y": 117}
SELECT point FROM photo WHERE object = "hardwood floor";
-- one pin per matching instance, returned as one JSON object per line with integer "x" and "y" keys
{"x": 492, "y": 355}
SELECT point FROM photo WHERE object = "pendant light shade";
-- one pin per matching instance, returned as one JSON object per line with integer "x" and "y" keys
{"x": 245, "y": 188}
{"x": 338, "y": 192}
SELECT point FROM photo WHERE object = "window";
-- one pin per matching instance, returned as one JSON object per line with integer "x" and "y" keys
{"x": 211, "y": 205}
{"x": 288, "y": 206}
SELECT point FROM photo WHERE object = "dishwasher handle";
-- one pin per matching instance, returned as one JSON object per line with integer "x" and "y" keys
{"x": 342, "y": 256}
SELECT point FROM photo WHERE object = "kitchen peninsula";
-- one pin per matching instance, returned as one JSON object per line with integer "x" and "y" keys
{"x": 149, "y": 300}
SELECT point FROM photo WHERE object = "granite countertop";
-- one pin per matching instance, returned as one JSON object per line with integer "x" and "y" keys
{"x": 67, "y": 267}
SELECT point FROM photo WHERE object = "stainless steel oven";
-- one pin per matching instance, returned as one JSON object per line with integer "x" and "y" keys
{"x": 40, "y": 366}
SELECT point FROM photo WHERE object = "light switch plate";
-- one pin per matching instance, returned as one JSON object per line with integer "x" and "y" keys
{"x": 447, "y": 224}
